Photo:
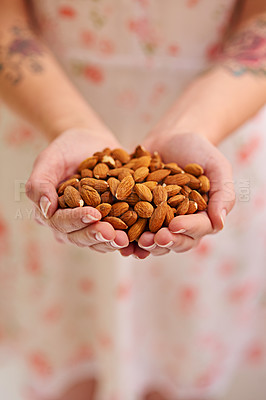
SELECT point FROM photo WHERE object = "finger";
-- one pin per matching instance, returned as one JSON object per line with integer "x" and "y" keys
{"x": 120, "y": 241}
{"x": 221, "y": 196}
{"x": 177, "y": 242}
{"x": 193, "y": 225}
{"x": 96, "y": 233}
{"x": 127, "y": 251}
{"x": 71, "y": 219}
{"x": 140, "y": 253}
{"x": 60, "y": 237}
{"x": 46, "y": 174}
{"x": 146, "y": 242}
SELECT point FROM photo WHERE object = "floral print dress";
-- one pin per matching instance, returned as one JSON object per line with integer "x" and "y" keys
{"x": 182, "y": 323}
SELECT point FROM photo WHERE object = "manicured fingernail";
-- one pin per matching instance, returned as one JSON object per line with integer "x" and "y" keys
{"x": 115, "y": 245}
{"x": 44, "y": 205}
{"x": 135, "y": 256}
{"x": 166, "y": 245}
{"x": 223, "y": 215}
{"x": 99, "y": 236}
{"x": 180, "y": 231}
{"x": 151, "y": 247}
{"x": 88, "y": 219}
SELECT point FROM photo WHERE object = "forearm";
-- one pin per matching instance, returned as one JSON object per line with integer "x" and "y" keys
{"x": 33, "y": 84}
{"x": 218, "y": 102}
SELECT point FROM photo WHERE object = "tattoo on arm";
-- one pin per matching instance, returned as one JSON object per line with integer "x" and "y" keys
{"x": 245, "y": 51}
{"x": 20, "y": 53}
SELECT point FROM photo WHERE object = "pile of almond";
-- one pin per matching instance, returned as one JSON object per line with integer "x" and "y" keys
{"x": 136, "y": 192}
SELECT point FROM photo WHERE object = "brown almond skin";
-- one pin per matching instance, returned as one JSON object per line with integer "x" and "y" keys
{"x": 140, "y": 151}
{"x": 175, "y": 200}
{"x": 136, "y": 163}
{"x": 107, "y": 197}
{"x": 156, "y": 164}
{"x": 98, "y": 184}
{"x": 61, "y": 202}
{"x": 113, "y": 185}
{"x": 118, "y": 209}
{"x": 90, "y": 196}
{"x": 196, "y": 196}
{"x": 159, "y": 195}
{"x": 130, "y": 217}
{"x": 143, "y": 192}
{"x": 72, "y": 197}
{"x": 121, "y": 155}
{"x": 100, "y": 171}
{"x": 182, "y": 208}
{"x": 194, "y": 169}
{"x": 116, "y": 223}
{"x": 137, "y": 229}
{"x": 89, "y": 163}
{"x": 194, "y": 182}
{"x": 144, "y": 209}
{"x": 205, "y": 184}
{"x": 125, "y": 172}
{"x": 170, "y": 214}
{"x": 125, "y": 187}
{"x": 185, "y": 190}
{"x": 132, "y": 199}
{"x": 140, "y": 174}
{"x": 193, "y": 206}
{"x": 174, "y": 168}
{"x": 172, "y": 190}
{"x": 68, "y": 182}
{"x": 158, "y": 175}
{"x": 86, "y": 173}
{"x": 150, "y": 184}
{"x": 177, "y": 179}
{"x": 157, "y": 219}
{"x": 205, "y": 197}
{"x": 104, "y": 209}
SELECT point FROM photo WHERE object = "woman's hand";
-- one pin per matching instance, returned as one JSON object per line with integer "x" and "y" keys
{"x": 58, "y": 161}
{"x": 185, "y": 231}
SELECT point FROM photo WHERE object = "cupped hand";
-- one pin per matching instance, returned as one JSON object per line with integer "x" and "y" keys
{"x": 185, "y": 231}
{"x": 81, "y": 226}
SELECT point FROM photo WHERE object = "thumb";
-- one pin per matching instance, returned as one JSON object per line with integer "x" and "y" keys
{"x": 41, "y": 186}
{"x": 222, "y": 196}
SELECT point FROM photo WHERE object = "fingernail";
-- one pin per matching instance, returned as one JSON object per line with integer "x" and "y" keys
{"x": 135, "y": 256}
{"x": 151, "y": 247}
{"x": 180, "y": 231}
{"x": 44, "y": 205}
{"x": 166, "y": 245}
{"x": 99, "y": 236}
{"x": 87, "y": 219}
{"x": 223, "y": 215}
{"x": 115, "y": 245}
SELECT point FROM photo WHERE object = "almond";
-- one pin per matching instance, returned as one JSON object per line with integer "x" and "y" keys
{"x": 113, "y": 185}
{"x": 205, "y": 184}
{"x": 175, "y": 200}
{"x": 86, "y": 173}
{"x": 104, "y": 209}
{"x": 90, "y": 196}
{"x": 140, "y": 174}
{"x": 132, "y": 199}
{"x": 156, "y": 164}
{"x": 141, "y": 151}
{"x": 125, "y": 172}
{"x": 143, "y": 192}
{"x": 182, "y": 208}
{"x": 89, "y": 163}
{"x": 196, "y": 196}
{"x": 106, "y": 159}
{"x": 185, "y": 190}
{"x": 121, "y": 155}
{"x": 170, "y": 214}
{"x": 61, "y": 202}
{"x": 98, "y": 184}
{"x": 151, "y": 184}
{"x": 193, "y": 206}
{"x": 194, "y": 182}
{"x": 144, "y": 209}
{"x": 194, "y": 169}
{"x": 174, "y": 168}
{"x": 158, "y": 175}
{"x": 72, "y": 197}
{"x": 158, "y": 217}
{"x": 177, "y": 179}
{"x": 116, "y": 223}
{"x": 100, "y": 171}
{"x": 156, "y": 156}
{"x": 137, "y": 229}
{"x": 172, "y": 190}
{"x": 107, "y": 197}
{"x": 130, "y": 217}
{"x": 116, "y": 171}
{"x": 136, "y": 163}
{"x": 205, "y": 197}
{"x": 68, "y": 182}
{"x": 124, "y": 188}
{"x": 118, "y": 209}
{"x": 159, "y": 195}
{"x": 118, "y": 164}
